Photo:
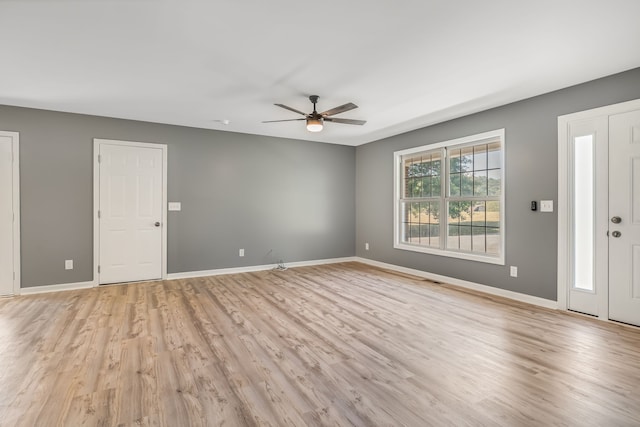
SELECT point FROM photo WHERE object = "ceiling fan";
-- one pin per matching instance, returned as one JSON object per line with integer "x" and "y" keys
{"x": 316, "y": 120}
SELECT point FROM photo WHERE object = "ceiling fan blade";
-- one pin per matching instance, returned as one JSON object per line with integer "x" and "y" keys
{"x": 290, "y": 109}
{"x": 340, "y": 109}
{"x": 287, "y": 120}
{"x": 345, "y": 121}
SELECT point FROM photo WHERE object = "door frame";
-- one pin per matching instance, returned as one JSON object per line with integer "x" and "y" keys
{"x": 97, "y": 142}
{"x": 15, "y": 191}
{"x": 564, "y": 199}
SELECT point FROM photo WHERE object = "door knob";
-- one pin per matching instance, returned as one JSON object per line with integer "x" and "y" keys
{"x": 616, "y": 234}
{"x": 616, "y": 220}
{"x": 157, "y": 224}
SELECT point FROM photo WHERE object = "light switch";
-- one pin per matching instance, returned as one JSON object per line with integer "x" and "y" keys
{"x": 546, "y": 205}
{"x": 175, "y": 206}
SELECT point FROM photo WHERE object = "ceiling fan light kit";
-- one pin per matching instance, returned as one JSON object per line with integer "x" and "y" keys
{"x": 315, "y": 121}
{"x": 314, "y": 125}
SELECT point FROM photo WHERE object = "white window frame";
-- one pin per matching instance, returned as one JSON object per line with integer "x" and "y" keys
{"x": 397, "y": 193}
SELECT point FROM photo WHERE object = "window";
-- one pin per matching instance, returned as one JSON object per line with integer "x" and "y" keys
{"x": 449, "y": 198}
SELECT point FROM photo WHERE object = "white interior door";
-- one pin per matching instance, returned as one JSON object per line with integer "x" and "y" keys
{"x": 131, "y": 213}
{"x": 9, "y": 214}
{"x": 624, "y": 209}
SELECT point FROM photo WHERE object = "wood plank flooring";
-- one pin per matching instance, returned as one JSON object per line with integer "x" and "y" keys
{"x": 333, "y": 345}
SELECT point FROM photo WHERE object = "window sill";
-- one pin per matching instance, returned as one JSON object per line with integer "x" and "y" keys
{"x": 451, "y": 254}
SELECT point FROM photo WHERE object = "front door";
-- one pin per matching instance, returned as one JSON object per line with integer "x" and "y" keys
{"x": 624, "y": 213}
{"x": 130, "y": 212}
{"x": 599, "y": 215}
{"x": 588, "y": 207}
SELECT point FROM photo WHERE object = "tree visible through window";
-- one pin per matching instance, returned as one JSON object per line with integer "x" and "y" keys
{"x": 449, "y": 198}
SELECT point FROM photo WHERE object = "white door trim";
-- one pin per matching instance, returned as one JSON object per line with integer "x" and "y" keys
{"x": 15, "y": 150}
{"x": 96, "y": 200}
{"x": 564, "y": 194}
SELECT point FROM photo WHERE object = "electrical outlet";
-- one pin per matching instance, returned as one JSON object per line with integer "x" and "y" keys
{"x": 366, "y": 246}
{"x": 514, "y": 271}
{"x": 241, "y": 252}
{"x": 68, "y": 264}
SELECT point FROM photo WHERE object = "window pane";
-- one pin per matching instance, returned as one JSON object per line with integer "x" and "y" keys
{"x": 412, "y": 188}
{"x": 478, "y": 216}
{"x": 454, "y": 184}
{"x": 434, "y": 212}
{"x": 465, "y": 237}
{"x": 480, "y": 157}
{"x": 494, "y": 182}
{"x": 493, "y": 240}
{"x": 493, "y": 214}
{"x": 424, "y": 234}
{"x": 436, "y": 164}
{"x": 454, "y": 161}
{"x": 453, "y": 242}
{"x": 420, "y": 223}
{"x": 465, "y": 212}
{"x": 494, "y": 156}
{"x": 466, "y": 159}
{"x": 454, "y": 212}
{"x": 478, "y": 243}
{"x": 436, "y": 189}
{"x": 480, "y": 183}
{"x": 459, "y": 236}
{"x": 583, "y": 213}
{"x": 435, "y": 235}
{"x": 414, "y": 212}
{"x": 466, "y": 184}
{"x": 411, "y": 234}
{"x": 422, "y": 175}
{"x": 426, "y": 186}
{"x": 413, "y": 167}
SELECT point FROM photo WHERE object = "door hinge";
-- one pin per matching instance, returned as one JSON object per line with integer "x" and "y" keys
{"x": 98, "y": 213}
{"x": 99, "y": 158}
{"x": 98, "y": 269}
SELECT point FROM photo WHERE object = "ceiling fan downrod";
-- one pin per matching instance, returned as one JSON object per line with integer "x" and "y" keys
{"x": 314, "y": 100}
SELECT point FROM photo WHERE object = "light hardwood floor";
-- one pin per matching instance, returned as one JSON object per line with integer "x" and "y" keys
{"x": 340, "y": 345}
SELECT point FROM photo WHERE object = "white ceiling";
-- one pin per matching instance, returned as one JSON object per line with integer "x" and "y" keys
{"x": 406, "y": 64}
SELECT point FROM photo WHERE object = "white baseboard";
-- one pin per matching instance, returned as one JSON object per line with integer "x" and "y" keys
{"x": 56, "y": 288}
{"x": 529, "y": 299}
{"x": 251, "y": 268}
{"x": 431, "y": 276}
{"x": 84, "y": 285}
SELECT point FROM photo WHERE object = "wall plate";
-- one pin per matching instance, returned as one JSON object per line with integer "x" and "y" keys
{"x": 546, "y": 205}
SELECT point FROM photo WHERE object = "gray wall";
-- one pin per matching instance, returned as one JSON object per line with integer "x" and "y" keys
{"x": 295, "y": 198}
{"x": 531, "y": 174}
